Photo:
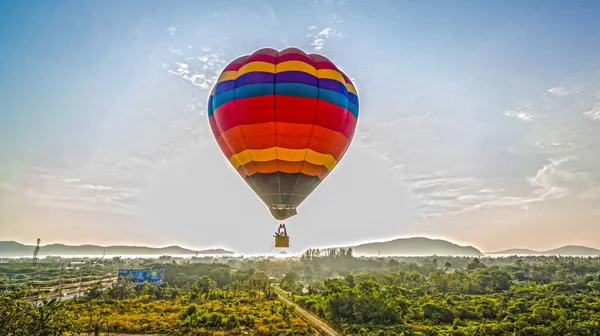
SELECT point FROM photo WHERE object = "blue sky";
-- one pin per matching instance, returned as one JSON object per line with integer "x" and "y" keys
{"x": 480, "y": 122}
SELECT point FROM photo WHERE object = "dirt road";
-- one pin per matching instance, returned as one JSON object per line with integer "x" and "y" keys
{"x": 324, "y": 327}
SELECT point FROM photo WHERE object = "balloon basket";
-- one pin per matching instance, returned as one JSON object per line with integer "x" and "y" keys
{"x": 282, "y": 241}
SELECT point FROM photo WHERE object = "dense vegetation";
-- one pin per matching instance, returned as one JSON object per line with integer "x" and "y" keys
{"x": 532, "y": 296}
{"x": 357, "y": 296}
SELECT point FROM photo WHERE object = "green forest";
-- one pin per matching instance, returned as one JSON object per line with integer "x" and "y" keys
{"x": 517, "y": 296}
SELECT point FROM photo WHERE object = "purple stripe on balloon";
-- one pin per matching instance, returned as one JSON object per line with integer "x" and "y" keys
{"x": 255, "y": 78}
{"x": 333, "y": 85}
{"x": 296, "y": 77}
{"x": 224, "y": 86}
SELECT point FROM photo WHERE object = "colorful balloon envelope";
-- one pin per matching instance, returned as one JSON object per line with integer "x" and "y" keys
{"x": 284, "y": 119}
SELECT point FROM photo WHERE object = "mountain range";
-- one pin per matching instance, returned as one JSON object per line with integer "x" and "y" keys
{"x": 569, "y": 250}
{"x": 14, "y": 249}
{"x": 417, "y": 246}
{"x": 420, "y": 246}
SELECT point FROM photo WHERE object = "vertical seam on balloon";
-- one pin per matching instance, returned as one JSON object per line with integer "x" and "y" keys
{"x": 220, "y": 134}
{"x": 312, "y": 128}
{"x": 242, "y": 132}
{"x": 345, "y": 125}
{"x": 275, "y": 127}
{"x": 262, "y": 181}
{"x": 347, "y": 112}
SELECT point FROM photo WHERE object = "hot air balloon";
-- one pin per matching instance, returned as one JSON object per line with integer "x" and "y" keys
{"x": 284, "y": 119}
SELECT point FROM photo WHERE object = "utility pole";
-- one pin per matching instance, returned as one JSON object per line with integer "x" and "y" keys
{"x": 35, "y": 257}
{"x": 80, "y": 276}
{"x": 60, "y": 284}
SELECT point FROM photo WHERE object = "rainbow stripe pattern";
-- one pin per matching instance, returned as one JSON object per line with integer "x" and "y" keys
{"x": 284, "y": 119}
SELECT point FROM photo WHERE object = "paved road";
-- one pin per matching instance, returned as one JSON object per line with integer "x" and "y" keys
{"x": 324, "y": 327}
{"x": 69, "y": 296}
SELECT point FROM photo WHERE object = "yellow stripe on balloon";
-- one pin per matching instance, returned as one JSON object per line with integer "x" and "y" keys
{"x": 227, "y": 75}
{"x": 285, "y": 154}
{"x": 351, "y": 88}
{"x": 296, "y": 66}
{"x": 293, "y": 155}
{"x": 331, "y": 74}
{"x": 259, "y": 66}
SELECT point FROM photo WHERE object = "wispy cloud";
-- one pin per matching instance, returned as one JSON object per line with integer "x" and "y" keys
{"x": 155, "y": 132}
{"x": 201, "y": 70}
{"x": 172, "y": 30}
{"x": 521, "y": 112}
{"x": 554, "y": 180}
{"x": 594, "y": 111}
{"x": 438, "y": 191}
{"x": 48, "y": 187}
{"x": 448, "y": 174}
{"x": 320, "y": 38}
{"x": 327, "y": 2}
{"x": 272, "y": 15}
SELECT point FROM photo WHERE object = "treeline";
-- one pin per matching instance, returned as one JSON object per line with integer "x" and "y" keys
{"x": 532, "y": 296}
{"x": 18, "y": 317}
{"x": 358, "y": 296}
{"x": 207, "y": 299}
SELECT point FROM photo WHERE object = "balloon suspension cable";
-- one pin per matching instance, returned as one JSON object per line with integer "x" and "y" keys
{"x": 277, "y": 223}
{"x": 271, "y": 248}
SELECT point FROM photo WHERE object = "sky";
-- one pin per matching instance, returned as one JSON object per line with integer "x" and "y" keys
{"x": 479, "y": 124}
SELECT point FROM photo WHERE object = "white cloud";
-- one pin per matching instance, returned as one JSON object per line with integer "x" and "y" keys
{"x": 521, "y": 113}
{"x": 327, "y": 2}
{"x": 555, "y": 180}
{"x": 322, "y": 38}
{"x": 547, "y": 180}
{"x": 559, "y": 91}
{"x": 48, "y": 187}
{"x": 154, "y": 133}
{"x": 594, "y": 112}
{"x": 438, "y": 191}
{"x": 172, "y": 30}
{"x": 176, "y": 51}
{"x": 337, "y": 19}
{"x": 564, "y": 177}
{"x": 201, "y": 70}
{"x": 566, "y": 90}
{"x": 462, "y": 185}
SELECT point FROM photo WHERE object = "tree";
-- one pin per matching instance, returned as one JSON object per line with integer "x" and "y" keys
{"x": 475, "y": 264}
{"x": 289, "y": 281}
{"x": 121, "y": 290}
{"x": 204, "y": 286}
{"x": 20, "y": 318}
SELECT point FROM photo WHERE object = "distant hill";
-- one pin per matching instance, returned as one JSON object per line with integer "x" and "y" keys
{"x": 14, "y": 249}
{"x": 569, "y": 250}
{"x": 417, "y": 246}
{"x": 516, "y": 252}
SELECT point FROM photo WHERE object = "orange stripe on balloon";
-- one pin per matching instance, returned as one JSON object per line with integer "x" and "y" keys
{"x": 291, "y": 136}
{"x": 273, "y": 166}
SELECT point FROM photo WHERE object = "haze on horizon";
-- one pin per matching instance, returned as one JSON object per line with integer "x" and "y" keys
{"x": 480, "y": 122}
